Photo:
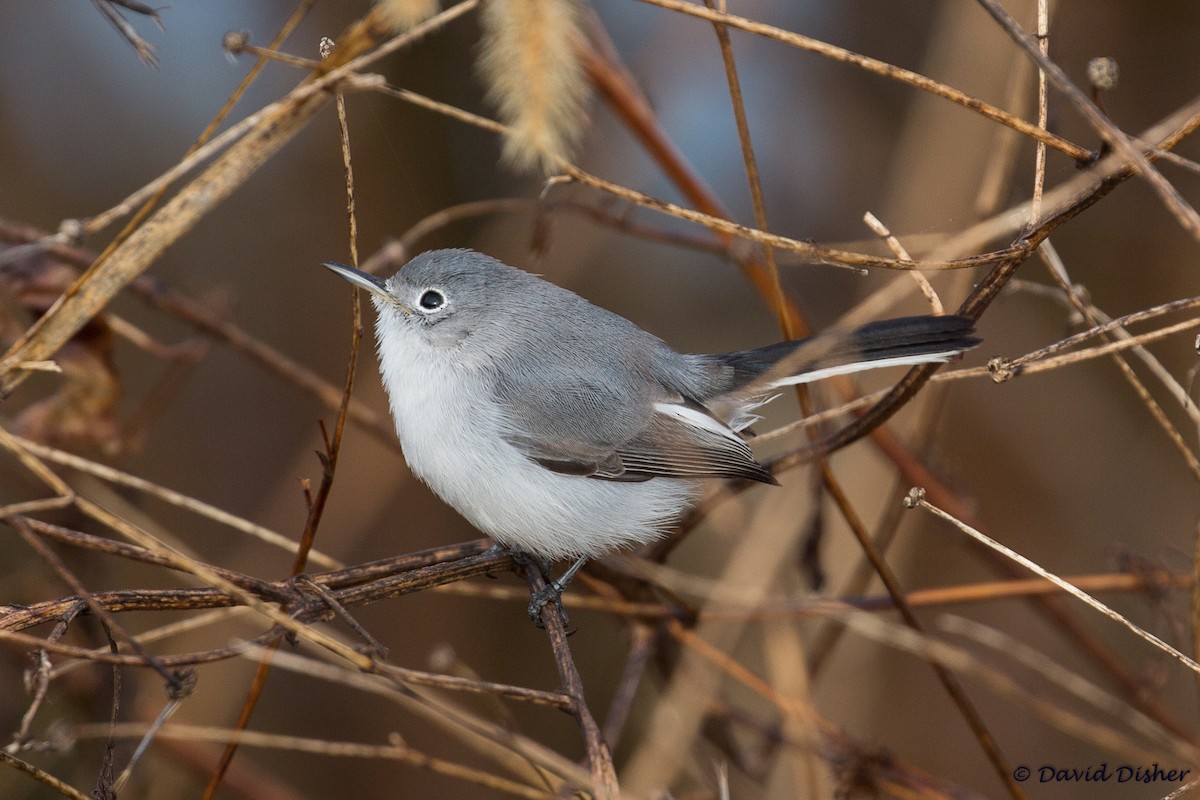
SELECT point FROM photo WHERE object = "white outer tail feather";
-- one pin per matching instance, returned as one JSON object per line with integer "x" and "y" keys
{"x": 744, "y": 417}
{"x": 859, "y": 366}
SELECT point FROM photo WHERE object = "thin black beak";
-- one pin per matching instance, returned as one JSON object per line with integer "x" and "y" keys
{"x": 359, "y": 278}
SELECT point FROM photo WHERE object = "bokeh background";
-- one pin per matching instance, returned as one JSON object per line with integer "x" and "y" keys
{"x": 1066, "y": 467}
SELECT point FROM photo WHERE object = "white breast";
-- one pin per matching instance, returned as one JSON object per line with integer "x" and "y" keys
{"x": 450, "y": 433}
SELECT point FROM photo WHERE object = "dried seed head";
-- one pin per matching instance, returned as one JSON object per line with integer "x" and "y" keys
{"x": 530, "y": 62}
{"x": 235, "y": 42}
{"x": 1103, "y": 73}
{"x": 403, "y": 14}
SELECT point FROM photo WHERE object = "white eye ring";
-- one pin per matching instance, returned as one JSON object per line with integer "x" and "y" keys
{"x": 431, "y": 300}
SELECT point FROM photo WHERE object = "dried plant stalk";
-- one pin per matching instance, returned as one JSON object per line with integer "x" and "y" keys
{"x": 275, "y": 125}
{"x": 529, "y": 59}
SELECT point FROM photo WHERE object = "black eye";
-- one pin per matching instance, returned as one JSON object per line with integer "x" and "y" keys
{"x": 431, "y": 300}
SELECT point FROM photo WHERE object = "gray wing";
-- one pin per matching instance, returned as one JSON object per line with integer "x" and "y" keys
{"x": 675, "y": 446}
{"x": 576, "y": 422}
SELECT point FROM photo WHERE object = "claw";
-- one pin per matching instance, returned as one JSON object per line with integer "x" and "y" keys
{"x": 552, "y": 593}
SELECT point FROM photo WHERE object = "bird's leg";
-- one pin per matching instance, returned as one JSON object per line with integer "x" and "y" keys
{"x": 553, "y": 591}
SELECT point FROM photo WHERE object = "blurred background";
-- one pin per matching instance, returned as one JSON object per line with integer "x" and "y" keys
{"x": 1066, "y": 467}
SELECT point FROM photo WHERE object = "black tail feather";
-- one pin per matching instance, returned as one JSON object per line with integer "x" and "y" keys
{"x": 891, "y": 338}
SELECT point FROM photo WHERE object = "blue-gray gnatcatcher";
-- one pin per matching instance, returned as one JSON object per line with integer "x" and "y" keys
{"x": 563, "y": 430}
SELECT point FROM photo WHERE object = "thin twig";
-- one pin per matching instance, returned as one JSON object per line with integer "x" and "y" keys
{"x": 879, "y": 68}
{"x": 980, "y": 298}
{"x": 643, "y": 639}
{"x": 788, "y": 323}
{"x": 1172, "y": 199}
{"x": 273, "y": 128}
{"x": 960, "y": 661}
{"x": 41, "y": 775}
{"x": 183, "y": 501}
{"x": 879, "y": 229}
{"x": 1058, "y": 273}
{"x": 1043, "y": 105}
{"x": 815, "y": 253}
{"x": 621, "y": 91}
{"x": 396, "y": 749}
{"x": 917, "y": 500}
{"x": 949, "y": 681}
{"x": 144, "y": 50}
{"x": 604, "y": 776}
{"x": 110, "y": 622}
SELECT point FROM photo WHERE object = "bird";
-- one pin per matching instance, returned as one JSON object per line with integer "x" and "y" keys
{"x": 563, "y": 430}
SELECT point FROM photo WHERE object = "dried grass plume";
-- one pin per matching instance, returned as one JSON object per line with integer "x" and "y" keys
{"x": 533, "y": 72}
{"x": 403, "y": 14}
